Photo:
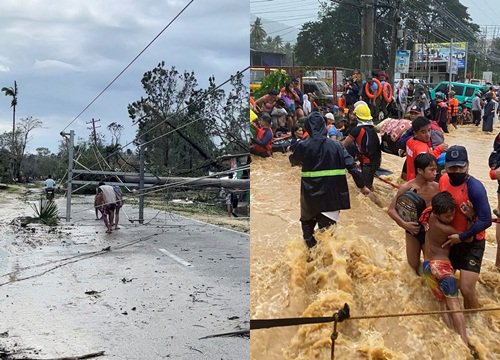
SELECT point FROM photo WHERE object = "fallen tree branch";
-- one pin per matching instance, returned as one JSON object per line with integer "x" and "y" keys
{"x": 81, "y": 357}
{"x": 241, "y": 333}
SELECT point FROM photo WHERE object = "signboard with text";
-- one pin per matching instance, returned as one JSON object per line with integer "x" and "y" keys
{"x": 403, "y": 61}
{"x": 434, "y": 52}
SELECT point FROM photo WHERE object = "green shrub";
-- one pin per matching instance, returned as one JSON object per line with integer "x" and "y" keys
{"x": 47, "y": 213}
{"x": 275, "y": 80}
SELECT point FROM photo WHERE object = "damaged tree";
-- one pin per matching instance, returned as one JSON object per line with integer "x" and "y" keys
{"x": 201, "y": 124}
{"x": 17, "y": 143}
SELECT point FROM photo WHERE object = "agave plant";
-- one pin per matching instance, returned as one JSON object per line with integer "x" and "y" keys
{"x": 47, "y": 213}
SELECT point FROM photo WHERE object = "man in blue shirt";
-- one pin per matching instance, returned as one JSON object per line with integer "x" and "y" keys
{"x": 49, "y": 186}
{"x": 49, "y": 183}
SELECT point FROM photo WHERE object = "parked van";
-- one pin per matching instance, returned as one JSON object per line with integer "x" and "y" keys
{"x": 462, "y": 91}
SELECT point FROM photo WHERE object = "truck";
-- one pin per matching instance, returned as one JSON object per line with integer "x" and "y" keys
{"x": 319, "y": 88}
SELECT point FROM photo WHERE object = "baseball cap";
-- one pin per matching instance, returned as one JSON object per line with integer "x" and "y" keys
{"x": 330, "y": 116}
{"x": 456, "y": 155}
{"x": 415, "y": 109}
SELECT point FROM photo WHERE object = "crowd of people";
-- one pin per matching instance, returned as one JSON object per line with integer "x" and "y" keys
{"x": 449, "y": 207}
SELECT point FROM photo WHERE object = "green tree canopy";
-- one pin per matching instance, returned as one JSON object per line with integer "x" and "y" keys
{"x": 334, "y": 39}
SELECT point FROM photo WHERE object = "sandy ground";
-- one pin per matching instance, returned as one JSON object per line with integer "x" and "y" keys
{"x": 143, "y": 292}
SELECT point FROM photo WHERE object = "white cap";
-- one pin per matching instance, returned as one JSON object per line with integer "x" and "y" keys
{"x": 330, "y": 116}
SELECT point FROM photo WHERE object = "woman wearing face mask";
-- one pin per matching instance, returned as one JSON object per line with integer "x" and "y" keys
{"x": 467, "y": 251}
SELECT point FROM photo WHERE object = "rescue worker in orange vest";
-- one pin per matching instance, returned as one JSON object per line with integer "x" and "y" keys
{"x": 262, "y": 143}
{"x": 467, "y": 251}
{"x": 453, "y": 109}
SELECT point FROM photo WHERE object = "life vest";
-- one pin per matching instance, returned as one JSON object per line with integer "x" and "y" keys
{"x": 268, "y": 148}
{"x": 460, "y": 194}
{"x": 453, "y": 107}
{"x": 364, "y": 158}
{"x": 367, "y": 151}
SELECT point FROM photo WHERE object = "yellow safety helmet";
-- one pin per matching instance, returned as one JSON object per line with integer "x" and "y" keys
{"x": 253, "y": 116}
{"x": 362, "y": 111}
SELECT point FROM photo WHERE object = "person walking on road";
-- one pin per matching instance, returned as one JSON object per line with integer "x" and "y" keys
{"x": 476, "y": 108}
{"x": 489, "y": 113}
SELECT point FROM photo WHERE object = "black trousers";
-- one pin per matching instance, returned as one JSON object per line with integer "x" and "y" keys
{"x": 308, "y": 225}
{"x": 476, "y": 116}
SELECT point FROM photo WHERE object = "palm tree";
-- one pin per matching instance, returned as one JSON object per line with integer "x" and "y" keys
{"x": 257, "y": 34}
{"x": 277, "y": 43}
{"x": 12, "y": 92}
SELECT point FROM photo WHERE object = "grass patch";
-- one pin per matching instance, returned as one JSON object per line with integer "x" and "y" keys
{"x": 12, "y": 189}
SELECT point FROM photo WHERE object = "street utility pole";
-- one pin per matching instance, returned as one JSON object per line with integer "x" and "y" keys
{"x": 93, "y": 128}
{"x": 451, "y": 63}
{"x": 367, "y": 31}
{"x": 141, "y": 181}
{"x": 395, "y": 40}
{"x": 69, "y": 187}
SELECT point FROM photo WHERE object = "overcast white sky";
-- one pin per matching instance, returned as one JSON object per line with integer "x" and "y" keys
{"x": 62, "y": 53}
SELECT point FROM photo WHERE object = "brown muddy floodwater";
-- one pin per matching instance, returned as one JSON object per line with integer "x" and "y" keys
{"x": 362, "y": 262}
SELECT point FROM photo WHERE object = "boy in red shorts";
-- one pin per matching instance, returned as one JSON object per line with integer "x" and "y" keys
{"x": 437, "y": 267}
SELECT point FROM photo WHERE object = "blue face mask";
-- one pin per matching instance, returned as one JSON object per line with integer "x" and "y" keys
{"x": 457, "y": 179}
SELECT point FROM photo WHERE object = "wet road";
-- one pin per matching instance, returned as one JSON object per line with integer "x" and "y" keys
{"x": 159, "y": 289}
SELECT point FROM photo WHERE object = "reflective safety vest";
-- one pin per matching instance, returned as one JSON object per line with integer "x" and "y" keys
{"x": 322, "y": 173}
{"x": 268, "y": 148}
{"x": 453, "y": 107}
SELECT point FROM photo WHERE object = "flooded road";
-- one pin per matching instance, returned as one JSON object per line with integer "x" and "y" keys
{"x": 151, "y": 295}
{"x": 362, "y": 262}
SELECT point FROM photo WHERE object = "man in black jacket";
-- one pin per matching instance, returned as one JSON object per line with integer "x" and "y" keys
{"x": 324, "y": 187}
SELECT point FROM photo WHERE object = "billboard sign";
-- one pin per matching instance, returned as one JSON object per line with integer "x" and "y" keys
{"x": 403, "y": 61}
{"x": 454, "y": 66}
{"x": 439, "y": 52}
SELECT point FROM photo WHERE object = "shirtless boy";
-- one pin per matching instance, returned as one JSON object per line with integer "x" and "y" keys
{"x": 425, "y": 186}
{"x": 438, "y": 271}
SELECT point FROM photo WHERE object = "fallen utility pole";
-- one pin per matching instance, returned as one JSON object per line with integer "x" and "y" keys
{"x": 241, "y": 184}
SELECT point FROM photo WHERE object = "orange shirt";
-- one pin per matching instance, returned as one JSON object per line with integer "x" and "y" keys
{"x": 413, "y": 148}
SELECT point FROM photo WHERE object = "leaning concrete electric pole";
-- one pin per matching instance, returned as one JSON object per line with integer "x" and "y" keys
{"x": 367, "y": 30}
{"x": 69, "y": 187}
{"x": 141, "y": 180}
